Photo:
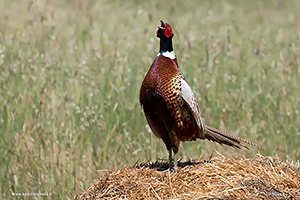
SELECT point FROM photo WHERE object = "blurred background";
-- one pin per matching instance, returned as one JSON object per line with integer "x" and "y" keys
{"x": 70, "y": 74}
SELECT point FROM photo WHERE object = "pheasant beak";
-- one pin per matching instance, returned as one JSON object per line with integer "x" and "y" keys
{"x": 163, "y": 25}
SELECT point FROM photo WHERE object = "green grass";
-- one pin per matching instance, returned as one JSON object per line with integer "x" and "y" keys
{"x": 71, "y": 73}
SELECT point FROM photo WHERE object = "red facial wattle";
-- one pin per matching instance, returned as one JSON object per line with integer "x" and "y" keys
{"x": 168, "y": 30}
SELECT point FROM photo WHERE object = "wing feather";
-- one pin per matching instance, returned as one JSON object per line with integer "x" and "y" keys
{"x": 188, "y": 96}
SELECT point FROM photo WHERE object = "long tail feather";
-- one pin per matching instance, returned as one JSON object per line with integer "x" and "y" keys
{"x": 224, "y": 138}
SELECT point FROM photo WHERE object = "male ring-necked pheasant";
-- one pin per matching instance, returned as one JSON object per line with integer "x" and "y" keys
{"x": 170, "y": 106}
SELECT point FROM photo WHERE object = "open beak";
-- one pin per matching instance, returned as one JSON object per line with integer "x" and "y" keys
{"x": 163, "y": 25}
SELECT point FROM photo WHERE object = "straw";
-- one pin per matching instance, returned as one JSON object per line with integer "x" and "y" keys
{"x": 219, "y": 178}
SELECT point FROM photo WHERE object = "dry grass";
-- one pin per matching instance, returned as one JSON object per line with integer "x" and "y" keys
{"x": 219, "y": 178}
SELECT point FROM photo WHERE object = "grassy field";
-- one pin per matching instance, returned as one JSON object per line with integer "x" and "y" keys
{"x": 71, "y": 73}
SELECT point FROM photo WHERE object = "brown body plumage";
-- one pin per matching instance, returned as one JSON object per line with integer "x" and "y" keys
{"x": 169, "y": 103}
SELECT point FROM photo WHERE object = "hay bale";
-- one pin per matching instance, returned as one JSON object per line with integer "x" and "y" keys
{"x": 219, "y": 178}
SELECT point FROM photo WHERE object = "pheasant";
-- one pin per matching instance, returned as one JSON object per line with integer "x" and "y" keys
{"x": 170, "y": 106}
